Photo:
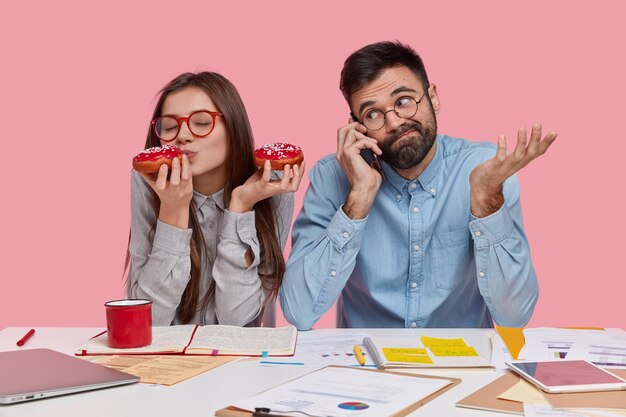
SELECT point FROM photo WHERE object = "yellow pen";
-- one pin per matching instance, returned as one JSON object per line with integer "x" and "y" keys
{"x": 359, "y": 355}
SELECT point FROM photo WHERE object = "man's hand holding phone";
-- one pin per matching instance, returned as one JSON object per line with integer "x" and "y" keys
{"x": 364, "y": 178}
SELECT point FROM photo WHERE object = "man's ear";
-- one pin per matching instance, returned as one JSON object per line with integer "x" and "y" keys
{"x": 434, "y": 98}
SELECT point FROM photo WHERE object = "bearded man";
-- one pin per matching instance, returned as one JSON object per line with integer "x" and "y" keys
{"x": 405, "y": 227}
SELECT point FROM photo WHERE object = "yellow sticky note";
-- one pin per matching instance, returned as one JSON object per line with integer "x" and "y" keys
{"x": 454, "y": 351}
{"x": 404, "y": 351}
{"x": 398, "y": 357}
{"x": 440, "y": 342}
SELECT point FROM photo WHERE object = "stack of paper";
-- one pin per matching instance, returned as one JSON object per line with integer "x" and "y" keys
{"x": 604, "y": 348}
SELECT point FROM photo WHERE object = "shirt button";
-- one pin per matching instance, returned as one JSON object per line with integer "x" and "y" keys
{"x": 414, "y": 285}
{"x": 345, "y": 234}
{"x": 432, "y": 190}
{"x": 416, "y": 247}
{"x": 413, "y": 324}
{"x": 413, "y": 185}
{"x": 333, "y": 273}
{"x": 477, "y": 233}
{"x": 481, "y": 274}
{"x": 416, "y": 209}
{"x": 398, "y": 196}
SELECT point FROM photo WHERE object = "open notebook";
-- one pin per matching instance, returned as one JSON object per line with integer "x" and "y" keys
{"x": 426, "y": 352}
{"x": 205, "y": 340}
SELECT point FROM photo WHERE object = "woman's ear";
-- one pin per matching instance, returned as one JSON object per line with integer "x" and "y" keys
{"x": 434, "y": 98}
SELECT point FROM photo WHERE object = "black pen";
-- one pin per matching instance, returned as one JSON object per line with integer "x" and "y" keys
{"x": 265, "y": 412}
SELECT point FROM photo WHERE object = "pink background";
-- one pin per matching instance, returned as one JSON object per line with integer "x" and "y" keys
{"x": 78, "y": 86}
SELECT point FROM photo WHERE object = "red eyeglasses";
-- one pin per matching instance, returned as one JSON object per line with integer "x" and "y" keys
{"x": 200, "y": 124}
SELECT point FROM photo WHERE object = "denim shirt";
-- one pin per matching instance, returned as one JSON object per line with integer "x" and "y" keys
{"x": 419, "y": 259}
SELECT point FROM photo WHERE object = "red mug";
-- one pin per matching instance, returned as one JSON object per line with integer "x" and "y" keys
{"x": 129, "y": 323}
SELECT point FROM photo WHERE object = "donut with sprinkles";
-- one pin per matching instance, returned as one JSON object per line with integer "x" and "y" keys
{"x": 150, "y": 160}
{"x": 279, "y": 154}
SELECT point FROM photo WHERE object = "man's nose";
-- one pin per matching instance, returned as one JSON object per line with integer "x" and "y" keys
{"x": 393, "y": 120}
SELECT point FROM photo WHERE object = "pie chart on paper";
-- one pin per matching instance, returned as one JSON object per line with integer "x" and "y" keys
{"x": 353, "y": 406}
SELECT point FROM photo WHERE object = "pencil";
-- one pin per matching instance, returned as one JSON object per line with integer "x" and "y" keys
{"x": 358, "y": 353}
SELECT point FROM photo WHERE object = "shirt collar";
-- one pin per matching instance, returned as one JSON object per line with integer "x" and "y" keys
{"x": 426, "y": 179}
{"x": 200, "y": 199}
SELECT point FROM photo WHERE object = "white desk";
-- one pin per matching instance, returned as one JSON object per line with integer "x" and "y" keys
{"x": 205, "y": 393}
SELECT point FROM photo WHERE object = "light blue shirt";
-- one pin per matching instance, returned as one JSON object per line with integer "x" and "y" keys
{"x": 419, "y": 259}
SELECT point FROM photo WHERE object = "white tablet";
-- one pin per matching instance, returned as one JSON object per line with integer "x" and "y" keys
{"x": 568, "y": 376}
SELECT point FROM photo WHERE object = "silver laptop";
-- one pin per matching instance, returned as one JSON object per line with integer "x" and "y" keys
{"x": 33, "y": 374}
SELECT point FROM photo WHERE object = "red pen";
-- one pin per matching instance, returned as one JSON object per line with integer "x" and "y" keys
{"x": 26, "y": 337}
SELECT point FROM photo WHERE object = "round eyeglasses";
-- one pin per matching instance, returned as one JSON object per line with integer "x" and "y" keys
{"x": 200, "y": 124}
{"x": 404, "y": 107}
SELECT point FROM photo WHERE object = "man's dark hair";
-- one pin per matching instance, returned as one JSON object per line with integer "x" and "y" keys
{"x": 369, "y": 62}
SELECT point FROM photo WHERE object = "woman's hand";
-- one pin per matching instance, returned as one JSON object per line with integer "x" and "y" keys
{"x": 260, "y": 186}
{"x": 174, "y": 193}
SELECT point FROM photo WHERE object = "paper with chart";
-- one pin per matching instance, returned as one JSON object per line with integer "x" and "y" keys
{"x": 339, "y": 392}
{"x": 603, "y": 348}
{"x": 607, "y": 353}
{"x": 316, "y": 350}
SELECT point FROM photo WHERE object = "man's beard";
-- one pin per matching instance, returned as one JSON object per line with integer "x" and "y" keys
{"x": 414, "y": 148}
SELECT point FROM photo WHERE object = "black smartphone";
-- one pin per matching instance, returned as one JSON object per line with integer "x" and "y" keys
{"x": 370, "y": 156}
{"x": 373, "y": 159}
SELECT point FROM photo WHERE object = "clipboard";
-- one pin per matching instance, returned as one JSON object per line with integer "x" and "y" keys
{"x": 486, "y": 398}
{"x": 238, "y": 412}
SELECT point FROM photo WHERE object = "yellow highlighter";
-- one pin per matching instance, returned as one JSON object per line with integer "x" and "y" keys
{"x": 358, "y": 353}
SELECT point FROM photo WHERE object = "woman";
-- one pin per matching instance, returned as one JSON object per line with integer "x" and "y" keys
{"x": 207, "y": 235}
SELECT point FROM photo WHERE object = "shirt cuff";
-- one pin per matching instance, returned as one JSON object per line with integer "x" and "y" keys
{"x": 343, "y": 231}
{"x": 171, "y": 239}
{"x": 492, "y": 229}
{"x": 238, "y": 225}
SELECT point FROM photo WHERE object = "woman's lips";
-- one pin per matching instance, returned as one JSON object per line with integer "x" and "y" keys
{"x": 189, "y": 154}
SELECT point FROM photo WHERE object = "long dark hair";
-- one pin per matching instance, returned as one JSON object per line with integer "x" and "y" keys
{"x": 239, "y": 167}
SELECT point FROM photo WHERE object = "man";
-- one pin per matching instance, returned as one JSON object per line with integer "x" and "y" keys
{"x": 434, "y": 237}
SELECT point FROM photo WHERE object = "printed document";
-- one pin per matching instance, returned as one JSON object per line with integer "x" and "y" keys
{"x": 339, "y": 392}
